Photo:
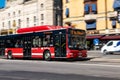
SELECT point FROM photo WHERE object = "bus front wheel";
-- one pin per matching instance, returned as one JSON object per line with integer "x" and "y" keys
{"x": 47, "y": 56}
{"x": 9, "y": 56}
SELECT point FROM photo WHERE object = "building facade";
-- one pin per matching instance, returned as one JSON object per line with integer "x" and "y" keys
{"x": 26, "y": 13}
{"x": 100, "y": 19}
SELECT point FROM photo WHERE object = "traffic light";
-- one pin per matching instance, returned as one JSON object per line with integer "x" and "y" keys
{"x": 118, "y": 16}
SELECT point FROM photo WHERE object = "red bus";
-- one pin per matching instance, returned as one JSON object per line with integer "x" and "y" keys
{"x": 44, "y": 42}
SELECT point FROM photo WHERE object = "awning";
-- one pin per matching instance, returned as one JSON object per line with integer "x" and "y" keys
{"x": 94, "y": 37}
{"x": 91, "y": 25}
{"x": 111, "y": 37}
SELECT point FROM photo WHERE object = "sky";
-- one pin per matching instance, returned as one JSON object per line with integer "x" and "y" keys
{"x": 2, "y": 3}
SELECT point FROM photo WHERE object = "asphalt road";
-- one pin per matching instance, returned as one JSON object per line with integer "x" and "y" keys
{"x": 57, "y": 70}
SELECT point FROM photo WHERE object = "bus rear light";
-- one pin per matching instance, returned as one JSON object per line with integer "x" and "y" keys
{"x": 71, "y": 54}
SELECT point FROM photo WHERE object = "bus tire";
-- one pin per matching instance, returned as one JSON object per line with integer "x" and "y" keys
{"x": 47, "y": 56}
{"x": 9, "y": 56}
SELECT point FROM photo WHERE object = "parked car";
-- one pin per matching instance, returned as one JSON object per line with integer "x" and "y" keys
{"x": 111, "y": 47}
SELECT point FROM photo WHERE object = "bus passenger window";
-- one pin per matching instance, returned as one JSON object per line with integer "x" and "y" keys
{"x": 19, "y": 43}
{"x": 44, "y": 42}
{"x": 37, "y": 42}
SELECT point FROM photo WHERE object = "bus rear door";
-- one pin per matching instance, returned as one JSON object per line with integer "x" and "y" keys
{"x": 27, "y": 47}
{"x": 60, "y": 45}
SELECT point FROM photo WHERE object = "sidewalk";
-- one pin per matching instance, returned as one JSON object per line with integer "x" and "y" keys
{"x": 97, "y": 56}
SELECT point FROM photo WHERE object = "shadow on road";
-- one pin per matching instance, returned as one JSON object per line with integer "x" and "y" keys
{"x": 72, "y": 60}
{"x": 56, "y": 59}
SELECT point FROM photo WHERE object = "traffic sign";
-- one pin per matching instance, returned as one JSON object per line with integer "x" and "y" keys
{"x": 96, "y": 41}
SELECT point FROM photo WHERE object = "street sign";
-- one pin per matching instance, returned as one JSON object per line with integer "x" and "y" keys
{"x": 96, "y": 41}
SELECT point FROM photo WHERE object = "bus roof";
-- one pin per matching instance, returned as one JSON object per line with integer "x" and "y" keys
{"x": 38, "y": 28}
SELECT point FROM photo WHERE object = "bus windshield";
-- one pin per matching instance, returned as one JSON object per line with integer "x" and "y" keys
{"x": 77, "y": 39}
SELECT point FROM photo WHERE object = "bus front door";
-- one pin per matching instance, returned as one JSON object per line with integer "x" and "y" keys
{"x": 27, "y": 47}
{"x": 60, "y": 45}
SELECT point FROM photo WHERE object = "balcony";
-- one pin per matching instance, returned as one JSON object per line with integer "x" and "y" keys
{"x": 112, "y": 14}
{"x": 89, "y": 17}
{"x": 103, "y": 31}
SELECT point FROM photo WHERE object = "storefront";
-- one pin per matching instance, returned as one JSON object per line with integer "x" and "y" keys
{"x": 6, "y": 31}
{"x": 3, "y": 32}
{"x": 95, "y": 42}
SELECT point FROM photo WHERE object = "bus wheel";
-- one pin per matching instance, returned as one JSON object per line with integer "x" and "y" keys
{"x": 9, "y": 56}
{"x": 47, "y": 56}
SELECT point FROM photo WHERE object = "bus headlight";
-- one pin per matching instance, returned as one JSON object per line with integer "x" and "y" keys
{"x": 71, "y": 54}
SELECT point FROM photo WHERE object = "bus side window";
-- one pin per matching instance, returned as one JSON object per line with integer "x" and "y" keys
{"x": 44, "y": 42}
{"x": 8, "y": 43}
{"x": 48, "y": 40}
{"x": 37, "y": 42}
{"x": 19, "y": 43}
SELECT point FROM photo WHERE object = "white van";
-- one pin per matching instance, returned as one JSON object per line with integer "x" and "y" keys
{"x": 111, "y": 47}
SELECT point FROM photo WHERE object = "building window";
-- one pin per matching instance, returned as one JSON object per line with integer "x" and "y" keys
{"x": 27, "y": 22}
{"x": 2, "y": 4}
{"x": 91, "y": 25}
{"x": 3, "y": 25}
{"x": 116, "y": 4}
{"x": 19, "y": 12}
{"x": 42, "y": 5}
{"x": 26, "y": 0}
{"x": 9, "y": 24}
{"x": 42, "y": 16}
{"x": 42, "y": 23}
{"x": 67, "y": 12}
{"x": 67, "y": 1}
{"x": 113, "y": 23}
{"x": 8, "y": 14}
{"x": 94, "y": 8}
{"x": 86, "y": 9}
{"x": 90, "y": 7}
{"x": 19, "y": 23}
{"x": 14, "y": 23}
{"x": 34, "y": 18}
{"x": 34, "y": 24}
{"x": 13, "y": 14}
